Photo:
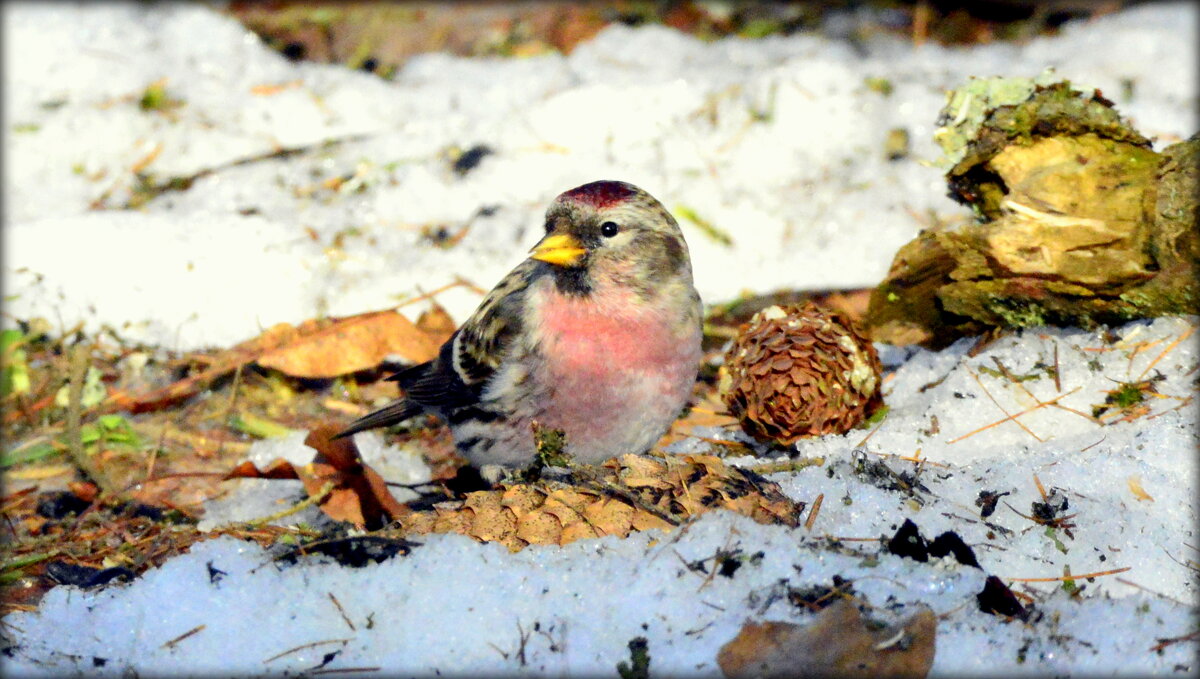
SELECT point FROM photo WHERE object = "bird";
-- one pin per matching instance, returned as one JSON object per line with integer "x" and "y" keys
{"x": 597, "y": 333}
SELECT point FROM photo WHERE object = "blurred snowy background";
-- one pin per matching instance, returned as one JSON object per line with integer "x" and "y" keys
{"x": 777, "y": 145}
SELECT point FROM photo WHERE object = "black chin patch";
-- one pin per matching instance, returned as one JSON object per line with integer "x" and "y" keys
{"x": 572, "y": 281}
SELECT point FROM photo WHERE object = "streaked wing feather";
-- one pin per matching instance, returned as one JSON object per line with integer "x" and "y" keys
{"x": 393, "y": 413}
{"x": 465, "y": 363}
{"x": 481, "y": 342}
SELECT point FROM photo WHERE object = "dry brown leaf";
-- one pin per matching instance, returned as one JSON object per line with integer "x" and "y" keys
{"x": 315, "y": 348}
{"x": 436, "y": 323}
{"x": 359, "y": 496}
{"x": 333, "y": 347}
{"x": 278, "y": 468}
{"x": 222, "y": 364}
{"x": 838, "y": 643}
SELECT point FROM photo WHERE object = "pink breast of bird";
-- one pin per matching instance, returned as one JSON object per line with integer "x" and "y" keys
{"x": 620, "y": 371}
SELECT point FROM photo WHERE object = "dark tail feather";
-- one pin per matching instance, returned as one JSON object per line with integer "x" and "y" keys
{"x": 391, "y": 414}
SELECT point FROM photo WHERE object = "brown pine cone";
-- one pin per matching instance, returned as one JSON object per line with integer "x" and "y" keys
{"x": 800, "y": 371}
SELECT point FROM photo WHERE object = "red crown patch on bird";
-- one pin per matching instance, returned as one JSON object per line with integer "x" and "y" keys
{"x": 601, "y": 194}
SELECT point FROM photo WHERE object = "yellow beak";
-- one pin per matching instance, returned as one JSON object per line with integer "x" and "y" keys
{"x": 559, "y": 250}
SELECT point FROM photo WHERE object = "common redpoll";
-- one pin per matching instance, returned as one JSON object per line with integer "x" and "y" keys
{"x": 597, "y": 333}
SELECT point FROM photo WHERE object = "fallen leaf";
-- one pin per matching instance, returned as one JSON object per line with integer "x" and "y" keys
{"x": 315, "y": 348}
{"x": 839, "y": 642}
{"x": 437, "y": 323}
{"x": 345, "y": 345}
{"x": 223, "y": 364}
{"x": 359, "y": 496}
{"x": 279, "y": 468}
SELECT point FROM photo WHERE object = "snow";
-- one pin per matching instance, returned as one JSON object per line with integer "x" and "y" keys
{"x": 456, "y": 606}
{"x": 777, "y": 142}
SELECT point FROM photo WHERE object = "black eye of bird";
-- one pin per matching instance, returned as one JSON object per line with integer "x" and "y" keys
{"x": 609, "y": 229}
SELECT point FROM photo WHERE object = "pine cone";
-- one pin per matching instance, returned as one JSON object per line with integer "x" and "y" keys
{"x": 628, "y": 493}
{"x": 800, "y": 371}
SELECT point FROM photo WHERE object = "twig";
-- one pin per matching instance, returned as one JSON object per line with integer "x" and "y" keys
{"x": 590, "y": 477}
{"x": 1160, "y": 595}
{"x": 237, "y": 382}
{"x": 1040, "y": 405}
{"x": 1081, "y": 576}
{"x": 812, "y": 513}
{"x": 457, "y": 282}
{"x": 341, "y": 610}
{"x": 787, "y": 465}
{"x": 1166, "y": 351}
{"x": 871, "y": 433}
{"x": 1057, "y": 380}
{"x": 195, "y": 630}
{"x": 1041, "y": 489}
{"x": 997, "y": 403}
{"x": 916, "y": 459}
{"x": 1164, "y": 642}
{"x": 1057, "y": 522}
{"x": 78, "y": 371}
{"x": 1004, "y": 371}
{"x": 154, "y": 452}
{"x": 304, "y": 646}
{"x": 298, "y": 507}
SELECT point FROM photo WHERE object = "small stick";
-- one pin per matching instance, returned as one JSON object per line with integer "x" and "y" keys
{"x": 237, "y": 382}
{"x": 1160, "y": 595}
{"x": 457, "y": 282}
{"x": 997, "y": 403}
{"x": 1040, "y": 405}
{"x": 1057, "y": 381}
{"x": 299, "y": 506}
{"x": 1163, "y": 643}
{"x": 871, "y": 433}
{"x": 596, "y": 482}
{"x": 812, "y": 514}
{"x": 787, "y": 465}
{"x": 78, "y": 371}
{"x": 154, "y": 452}
{"x": 1040, "y": 487}
{"x": 304, "y": 646}
{"x": 195, "y": 630}
{"x": 1166, "y": 351}
{"x": 1025, "y": 389}
{"x": 1137, "y": 350}
{"x": 341, "y": 610}
{"x": 1060, "y": 578}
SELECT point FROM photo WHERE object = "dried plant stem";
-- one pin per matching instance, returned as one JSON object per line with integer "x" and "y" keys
{"x": 1172, "y": 345}
{"x": 298, "y": 507}
{"x": 1081, "y": 576}
{"x": 787, "y": 465}
{"x": 997, "y": 404}
{"x": 80, "y": 354}
{"x": 1040, "y": 405}
{"x": 812, "y": 513}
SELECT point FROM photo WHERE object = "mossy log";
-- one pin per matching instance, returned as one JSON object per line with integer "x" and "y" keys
{"x": 1079, "y": 222}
